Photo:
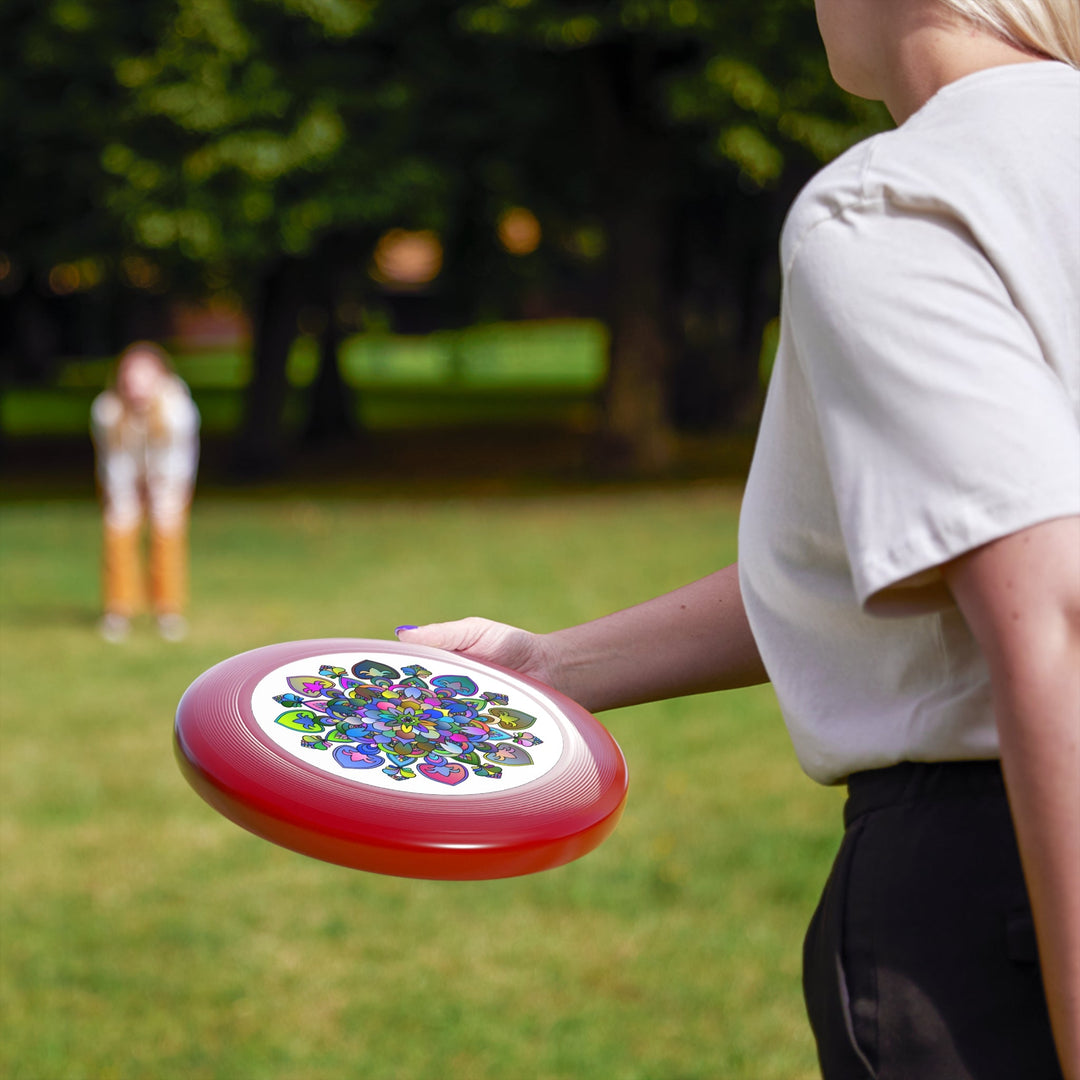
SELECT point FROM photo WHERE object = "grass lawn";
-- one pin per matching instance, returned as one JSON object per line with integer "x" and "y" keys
{"x": 145, "y": 937}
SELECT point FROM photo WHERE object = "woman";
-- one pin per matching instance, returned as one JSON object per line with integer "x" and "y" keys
{"x": 909, "y": 574}
{"x": 146, "y": 436}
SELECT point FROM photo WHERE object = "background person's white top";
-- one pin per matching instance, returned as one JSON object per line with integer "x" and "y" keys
{"x": 139, "y": 469}
{"x": 925, "y": 400}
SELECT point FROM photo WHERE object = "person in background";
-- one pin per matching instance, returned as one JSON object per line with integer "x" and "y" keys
{"x": 146, "y": 439}
{"x": 909, "y": 549}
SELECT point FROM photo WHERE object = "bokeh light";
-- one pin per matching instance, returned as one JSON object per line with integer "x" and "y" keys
{"x": 71, "y": 277}
{"x": 407, "y": 259}
{"x": 519, "y": 231}
{"x": 64, "y": 279}
{"x": 140, "y": 272}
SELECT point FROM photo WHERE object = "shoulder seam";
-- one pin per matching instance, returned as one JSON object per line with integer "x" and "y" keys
{"x": 860, "y": 200}
{"x": 863, "y": 201}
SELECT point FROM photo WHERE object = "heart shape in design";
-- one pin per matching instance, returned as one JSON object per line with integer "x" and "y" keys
{"x": 300, "y": 720}
{"x": 449, "y": 772}
{"x": 372, "y": 669}
{"x": 309, "y": 685}
{"x": 513, "y": 719}
{"x": 458, "y": 685}
{"x": 508, "y": 754}
{"x": 349, "y": 757}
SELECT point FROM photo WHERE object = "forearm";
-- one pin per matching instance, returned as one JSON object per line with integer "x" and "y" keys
{"x": 690, "y": 641}
{"x": 1039, "y": 726}
{"x": 1021, "y": 598}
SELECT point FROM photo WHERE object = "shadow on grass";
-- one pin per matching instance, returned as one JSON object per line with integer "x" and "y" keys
{"x": 51, "y": 616}
{"x": 421, "y": 463}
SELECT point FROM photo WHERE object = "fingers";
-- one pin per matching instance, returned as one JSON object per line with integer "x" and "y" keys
{"x": 461, "y": 635}
{"x": 482, "y": 639}
{"x": 434, "y": 635}
{"x": 489, "y": 642}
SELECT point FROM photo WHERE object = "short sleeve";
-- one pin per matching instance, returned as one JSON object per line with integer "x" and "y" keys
{"x": 944, "y": 426}
{"x": 105, "y": 414}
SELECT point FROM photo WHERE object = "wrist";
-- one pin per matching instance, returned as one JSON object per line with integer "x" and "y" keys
{"x": 572, "y": 665}
{"x": 556, "y": 665}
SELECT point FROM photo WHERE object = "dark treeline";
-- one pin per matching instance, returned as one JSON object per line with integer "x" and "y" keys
{"x": 258, "y": 150}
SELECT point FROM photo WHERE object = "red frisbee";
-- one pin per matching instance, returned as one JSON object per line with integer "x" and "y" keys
{"x": 400, "y": 759}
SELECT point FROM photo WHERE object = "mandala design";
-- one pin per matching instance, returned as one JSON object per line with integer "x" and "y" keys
{"x": 410, "y": 724}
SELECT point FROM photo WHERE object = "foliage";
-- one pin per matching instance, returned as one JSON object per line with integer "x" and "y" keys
{"x": 260, "y": 147}
{"x": 748, "y": 78}
{"x": 284, "y": 120}
{"x": 227, "y": 131}
{"x": 58, "y": 108}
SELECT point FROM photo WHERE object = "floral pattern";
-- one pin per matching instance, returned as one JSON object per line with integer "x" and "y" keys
{"x": 419, "y": 729}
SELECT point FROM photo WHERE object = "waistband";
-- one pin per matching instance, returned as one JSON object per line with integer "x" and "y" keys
{"x": 912, "y": 781}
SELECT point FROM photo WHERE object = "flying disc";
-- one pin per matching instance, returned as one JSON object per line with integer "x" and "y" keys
{"x": 400, "y": 759}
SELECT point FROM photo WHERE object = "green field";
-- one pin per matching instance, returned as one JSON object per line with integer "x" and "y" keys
{"x": 146, "y": 937}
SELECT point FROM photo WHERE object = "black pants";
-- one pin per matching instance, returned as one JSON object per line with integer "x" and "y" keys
{"x": 920, "y": 961}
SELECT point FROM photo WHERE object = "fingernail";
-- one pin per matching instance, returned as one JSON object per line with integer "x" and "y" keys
{"x": 398, "y": 629}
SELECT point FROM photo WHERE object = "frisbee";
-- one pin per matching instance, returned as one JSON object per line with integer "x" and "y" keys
{"x": 400, "y": 759}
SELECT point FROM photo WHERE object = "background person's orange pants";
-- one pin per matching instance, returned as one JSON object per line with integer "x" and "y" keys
{"x": 130, "y": 581}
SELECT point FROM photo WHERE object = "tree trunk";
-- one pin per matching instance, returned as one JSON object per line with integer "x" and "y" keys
{"x": 727, "y": 283}
{"x": 637, "y": 425}
{"x": 634, "y": 196}
{"x": 331, "y": 415}
{"x": 262, "y": 444}
{"x": 35, "y": 337}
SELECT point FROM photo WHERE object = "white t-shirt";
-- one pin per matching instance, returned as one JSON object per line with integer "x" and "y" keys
{"x": 925, "y": 400}
{"x": 144, "y": 464}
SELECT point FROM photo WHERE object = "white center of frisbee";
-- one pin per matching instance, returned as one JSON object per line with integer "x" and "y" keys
{"x": 390, "y": 721}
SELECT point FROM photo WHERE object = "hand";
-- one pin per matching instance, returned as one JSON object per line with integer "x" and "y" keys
{"x": 491, "y": 642}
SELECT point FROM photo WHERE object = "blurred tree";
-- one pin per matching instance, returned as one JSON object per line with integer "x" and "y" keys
{"x": 286, "y": 150}
{"x": 297, "y": 132}
{"x": 261, "y": 147}
{"x": 59, "y": 106}
{"x": 692, "y": 124}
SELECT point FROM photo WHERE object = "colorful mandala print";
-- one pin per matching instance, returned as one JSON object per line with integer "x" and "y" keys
{"x": 408, "y": 723}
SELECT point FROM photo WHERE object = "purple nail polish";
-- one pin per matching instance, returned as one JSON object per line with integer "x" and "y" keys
{"x": 398, "y": 629}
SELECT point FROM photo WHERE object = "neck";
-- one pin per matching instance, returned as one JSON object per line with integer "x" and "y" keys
{"x": 934, "y": 49}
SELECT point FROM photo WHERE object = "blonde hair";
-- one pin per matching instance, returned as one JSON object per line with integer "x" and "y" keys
{"x": 156, "y": 425}
{"x": 1048, "y": 27}
{"x": 144, "y": 347}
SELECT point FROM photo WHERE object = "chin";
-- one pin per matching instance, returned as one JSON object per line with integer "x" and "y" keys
{"x": 854, "y": 82}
